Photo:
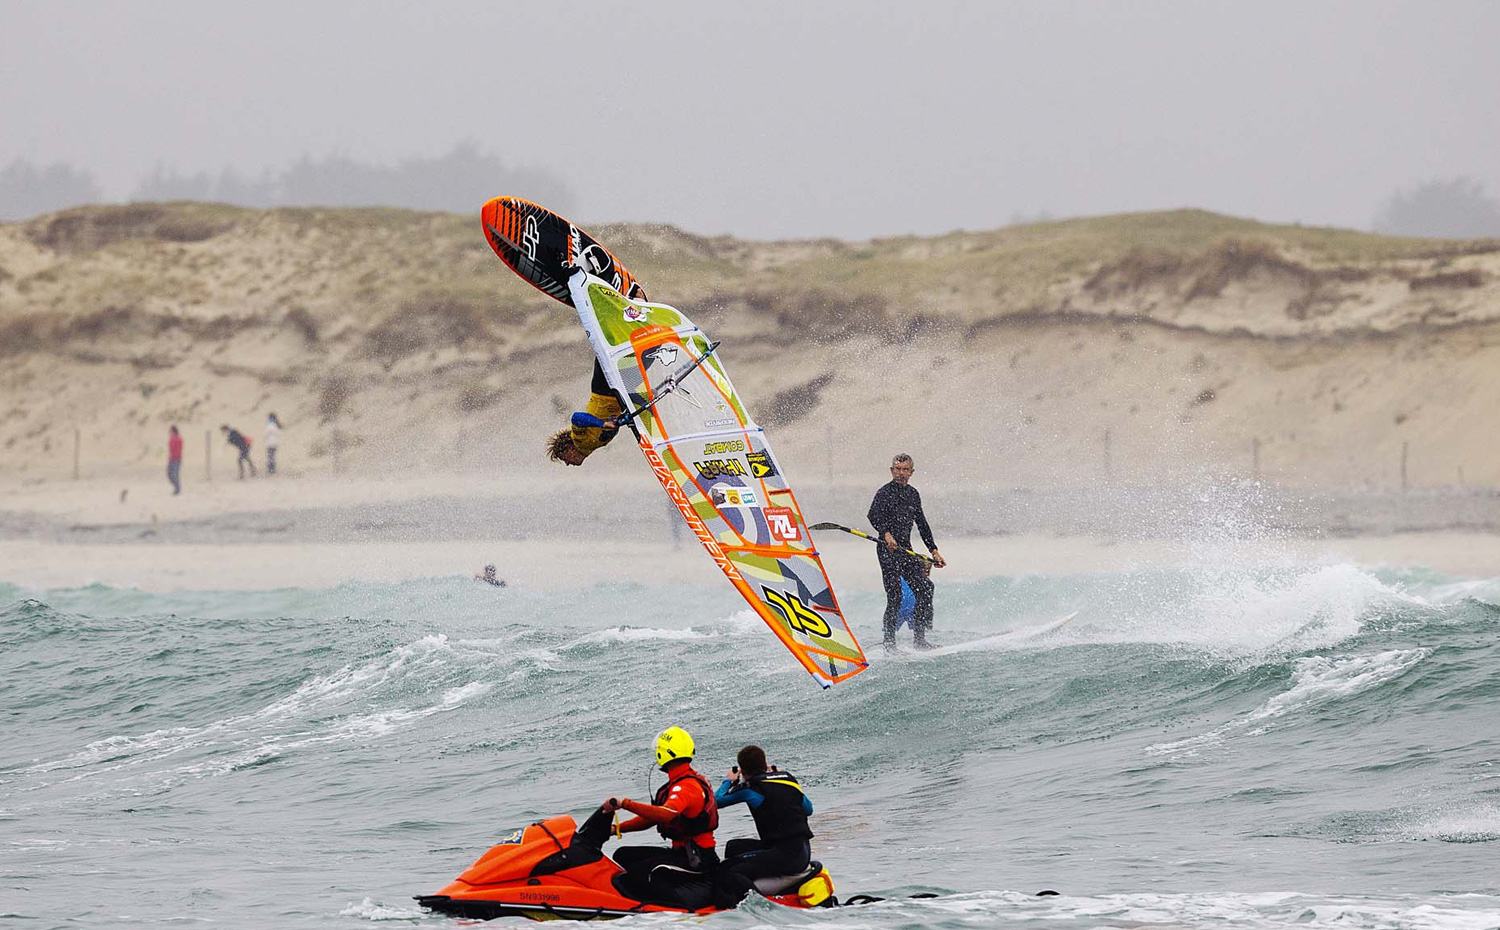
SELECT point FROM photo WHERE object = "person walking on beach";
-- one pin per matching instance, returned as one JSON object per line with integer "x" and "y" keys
{"x": 238, "y": 440}
{"x": 896, "y": 507}
{"x": 174, "y": 459}
{"x": 273, "y": 442}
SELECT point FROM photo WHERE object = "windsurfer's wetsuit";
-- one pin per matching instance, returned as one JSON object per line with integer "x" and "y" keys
{"x": 684, "y": 812}
{"x": 587, "y": 425}
{"x": 780, "y": 809}
{"x": 895, "y": 508}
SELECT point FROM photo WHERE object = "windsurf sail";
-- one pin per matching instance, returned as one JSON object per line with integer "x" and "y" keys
{"x": 717, "y": 466}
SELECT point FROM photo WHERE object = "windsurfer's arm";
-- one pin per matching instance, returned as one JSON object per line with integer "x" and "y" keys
{"x": 732, "y": 792}
{"x": 876, "y": 516}
{"x": 646, "y": 815}
{"x": 926, "y": 532}
{"x": 880, "y": 516}
{"x": 585, "y": 420}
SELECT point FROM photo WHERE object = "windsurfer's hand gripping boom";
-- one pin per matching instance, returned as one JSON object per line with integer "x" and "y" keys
{"x": 936, "y": 562}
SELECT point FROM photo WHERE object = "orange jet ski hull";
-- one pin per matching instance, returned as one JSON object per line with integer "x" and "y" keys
{"x": 538, "y": 872}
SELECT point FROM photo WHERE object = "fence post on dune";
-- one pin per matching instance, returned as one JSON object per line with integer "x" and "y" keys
{"x": 828, "y": 449}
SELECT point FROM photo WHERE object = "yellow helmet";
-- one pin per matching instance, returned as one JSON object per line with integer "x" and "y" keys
{"x": 672, "y": 744}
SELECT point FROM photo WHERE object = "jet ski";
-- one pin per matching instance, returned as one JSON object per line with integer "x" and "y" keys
{"x": 551, "y": 870}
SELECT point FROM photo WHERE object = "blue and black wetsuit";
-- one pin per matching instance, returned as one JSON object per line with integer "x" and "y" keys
{"x": 895, "y": 508}
{"x": 780, "y": 809}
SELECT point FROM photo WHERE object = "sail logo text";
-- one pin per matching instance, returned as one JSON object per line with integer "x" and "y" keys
{"x": 783, "y": 524}
{"x": 531, "y": 236}
{"x": 719, "y": 448}
{"x": 761, "y": 464}
{"x": 694, "y": 522}
{"x": 713, "y": 468}
{"x": 797, "y": 615}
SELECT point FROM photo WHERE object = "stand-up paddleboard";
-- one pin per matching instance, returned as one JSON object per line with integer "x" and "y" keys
{"x": 543, "y": 248}
{"x": 1000, "y": 640}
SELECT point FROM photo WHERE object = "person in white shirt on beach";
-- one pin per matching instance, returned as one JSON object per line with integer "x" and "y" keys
{"x": 273, "y": 442}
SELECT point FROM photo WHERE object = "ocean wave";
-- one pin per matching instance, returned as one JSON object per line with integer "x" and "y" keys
{"x": 324, "y": 709}
{"x": 1315, "y": 680}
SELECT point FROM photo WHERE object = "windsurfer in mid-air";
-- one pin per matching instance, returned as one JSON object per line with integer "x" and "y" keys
{"x": 896, "y": 506}
{"x": 591, "y": 428}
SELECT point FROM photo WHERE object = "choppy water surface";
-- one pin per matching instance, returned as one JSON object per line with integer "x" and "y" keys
{"x": 1228, "y": 746}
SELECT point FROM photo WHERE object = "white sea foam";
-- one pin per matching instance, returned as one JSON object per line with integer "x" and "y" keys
{"x": 635, "y": 634}
{"x": 1315, "y": 680}
{"x": 1242, "y": 613}
{"x": 1459, "y": 822}
{"x": 369, "y": 910}
{"x": 1262, "y": 911}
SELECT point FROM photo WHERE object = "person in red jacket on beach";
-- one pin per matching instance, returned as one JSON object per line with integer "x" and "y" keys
{"x": 174, "y": 459}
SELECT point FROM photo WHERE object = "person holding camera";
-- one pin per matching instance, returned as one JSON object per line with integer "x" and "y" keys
{"x": 780, "y": 808}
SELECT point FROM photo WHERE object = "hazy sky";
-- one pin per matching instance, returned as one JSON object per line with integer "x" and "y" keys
{"x": 772, "y": 119}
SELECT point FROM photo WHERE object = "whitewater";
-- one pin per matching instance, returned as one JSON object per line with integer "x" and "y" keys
{"x": 1249, "y": 745}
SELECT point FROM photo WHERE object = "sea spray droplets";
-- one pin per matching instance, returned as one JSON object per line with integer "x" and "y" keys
{"x": 1246, "y": 613}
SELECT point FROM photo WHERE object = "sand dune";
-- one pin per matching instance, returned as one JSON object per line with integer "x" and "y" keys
{"x": 1039, "y": 373}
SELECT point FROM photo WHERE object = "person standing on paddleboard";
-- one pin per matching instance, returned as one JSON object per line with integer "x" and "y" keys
{"x": 896, "y": 507}
{"x": 592, "y": 428}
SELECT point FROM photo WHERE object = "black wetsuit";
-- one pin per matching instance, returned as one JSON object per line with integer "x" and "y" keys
{"x": 895, "y": 508}
{"x": 238, "y": 440}
{"x": 780, "y": 809}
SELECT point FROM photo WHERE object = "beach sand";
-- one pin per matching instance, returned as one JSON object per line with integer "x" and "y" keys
{"x": 151, "y": 564}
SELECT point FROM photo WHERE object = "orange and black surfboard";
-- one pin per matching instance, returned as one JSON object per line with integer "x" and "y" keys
{"x": 542, "y": 247}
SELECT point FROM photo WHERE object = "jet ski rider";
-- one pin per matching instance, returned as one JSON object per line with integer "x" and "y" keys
{"x": 780, "y": 809}
{"x": 683, "y": 812}
{"x": 590, "y": 429}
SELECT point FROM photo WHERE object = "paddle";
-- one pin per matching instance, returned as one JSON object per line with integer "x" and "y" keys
{"x": 863, "y": 535}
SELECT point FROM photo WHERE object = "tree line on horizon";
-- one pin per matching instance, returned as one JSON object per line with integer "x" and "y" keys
{"x": 1452, "y": 208}
{"x": 457, "y": 182}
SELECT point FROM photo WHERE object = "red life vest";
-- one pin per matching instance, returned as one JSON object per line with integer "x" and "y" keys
{"x": 699, "y": 828}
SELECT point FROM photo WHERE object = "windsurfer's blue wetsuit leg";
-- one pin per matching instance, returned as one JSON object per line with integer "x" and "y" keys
{"x": 894, "y": 566}
{"x": 908, "y": 605}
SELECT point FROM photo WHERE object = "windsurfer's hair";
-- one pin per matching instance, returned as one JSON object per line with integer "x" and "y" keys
{"x": 752, "y": 760}
{"x": 559, "y": 443}
{"x": 901, "y": 457}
